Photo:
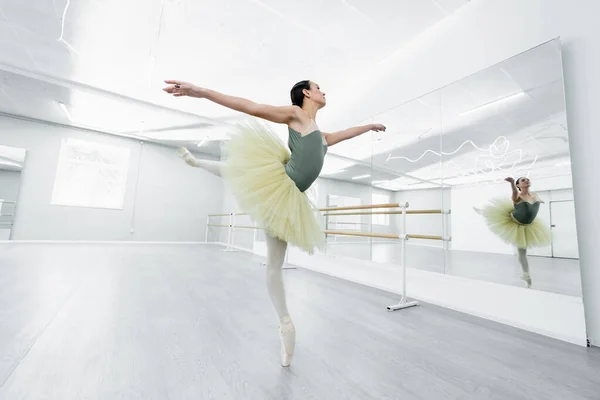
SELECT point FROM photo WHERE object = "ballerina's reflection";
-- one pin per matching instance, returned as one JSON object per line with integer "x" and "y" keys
{"x": 515, "y": 221}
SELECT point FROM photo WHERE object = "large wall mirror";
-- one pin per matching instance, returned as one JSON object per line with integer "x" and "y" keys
{"x": 412, "y": 148}
{"x": 486, "y": 159}
{"x": 504, "y": 131}
{"x": 12, "y": 162}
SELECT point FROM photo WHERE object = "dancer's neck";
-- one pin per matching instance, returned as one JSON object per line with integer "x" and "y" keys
{"x": 311, "y": 110}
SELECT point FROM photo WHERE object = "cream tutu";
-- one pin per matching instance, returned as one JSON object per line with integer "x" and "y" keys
{"x": 254, "y": 168}
{"x": 498, "y": 217}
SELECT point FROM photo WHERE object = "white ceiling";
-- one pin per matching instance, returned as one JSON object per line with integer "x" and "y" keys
{"x": 102, "y": 67}
{"x": 252, "y": 48}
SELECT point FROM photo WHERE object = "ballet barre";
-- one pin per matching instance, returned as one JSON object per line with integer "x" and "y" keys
{"x": 230, "y": 232}
{"x": 404, "y": 302}
{"x": 403, "y": 237}
{"x": 364, "y": 207}
{"x": 363, "y": 234}
{"x": 232, "y": 226}
{"x": 390, "y": 212}
{"x": 428, "y": 237}
{"x": 386, "y": 235}
{"x": 7, "y": 224}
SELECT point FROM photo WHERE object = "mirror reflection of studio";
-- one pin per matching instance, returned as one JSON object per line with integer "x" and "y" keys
{"x": 299, "y": 199}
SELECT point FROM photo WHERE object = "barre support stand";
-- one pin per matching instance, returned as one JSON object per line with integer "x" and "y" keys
{"x": 404, "y": 302}
{"x": 230, "y": 234}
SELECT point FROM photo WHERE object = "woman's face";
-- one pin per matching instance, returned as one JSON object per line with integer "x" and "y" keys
{"x": 523, "y": 183}
{"x": 316, "y": 95}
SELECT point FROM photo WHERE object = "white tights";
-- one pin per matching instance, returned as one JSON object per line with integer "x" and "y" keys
{"x": 523, "y": 260}
{"x": 276, "y": 248}
{"x": 214, "y": 167}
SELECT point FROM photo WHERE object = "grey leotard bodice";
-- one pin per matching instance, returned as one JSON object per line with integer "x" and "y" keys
{"x": 526, "y": 212}
{"x": 307, "y": 156}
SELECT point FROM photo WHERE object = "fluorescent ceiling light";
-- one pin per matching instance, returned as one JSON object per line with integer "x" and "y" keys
{"x": 361, "y": 176}
{"x": 66, "y": 111}
{"x": 503, "y": 100}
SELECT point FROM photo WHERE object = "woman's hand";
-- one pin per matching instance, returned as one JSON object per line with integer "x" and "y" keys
{"x": 509, "y": 179}
{"x": 180, "y": 88}
{"x": 377, "y": 128}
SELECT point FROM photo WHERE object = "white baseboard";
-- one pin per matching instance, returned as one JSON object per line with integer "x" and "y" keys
{"x": 98, "y": 242}
{"x": 234, "y": 247}
{"x": 122, "y": 242}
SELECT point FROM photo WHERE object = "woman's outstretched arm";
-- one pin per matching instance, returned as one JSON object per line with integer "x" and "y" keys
{"x": 277, "y": 114}
{"x": 337, "y": 137}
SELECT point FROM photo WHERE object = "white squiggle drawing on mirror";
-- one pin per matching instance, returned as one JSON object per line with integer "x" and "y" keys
{"x": 495, "y": 160}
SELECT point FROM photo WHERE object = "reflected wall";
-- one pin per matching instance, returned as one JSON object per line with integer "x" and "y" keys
{"x": 451, "y": 155}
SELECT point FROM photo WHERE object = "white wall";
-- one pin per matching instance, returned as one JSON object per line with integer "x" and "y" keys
{"x": 170, "y": 204}
{"x": 483, "y": 33}
{"x": 9, "y": 184}
{"x": 172, "y": 198}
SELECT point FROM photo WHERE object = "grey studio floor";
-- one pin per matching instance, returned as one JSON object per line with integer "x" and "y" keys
{"x": 193, "y": 322}
{"x": 556, "y": 275}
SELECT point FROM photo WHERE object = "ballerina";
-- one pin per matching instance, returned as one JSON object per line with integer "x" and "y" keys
{"x": 269, "y": 182}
